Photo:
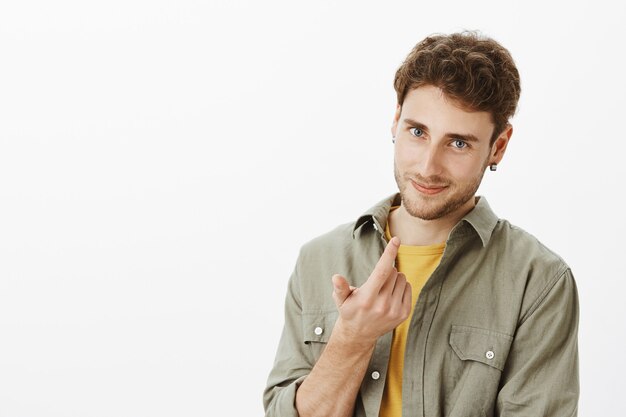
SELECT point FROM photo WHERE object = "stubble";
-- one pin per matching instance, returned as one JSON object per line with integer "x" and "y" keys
{"x": 433, "y": 207}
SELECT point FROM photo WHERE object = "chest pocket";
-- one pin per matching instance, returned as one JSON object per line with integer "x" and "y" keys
{"x": 481, "y": 345}
{"x": 317, "y": 327}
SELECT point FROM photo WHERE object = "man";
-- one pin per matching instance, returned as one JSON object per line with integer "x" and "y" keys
{"x": 460, "y": 313}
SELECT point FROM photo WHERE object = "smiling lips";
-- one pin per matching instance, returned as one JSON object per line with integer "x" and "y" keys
{"x": 427, "y": 190}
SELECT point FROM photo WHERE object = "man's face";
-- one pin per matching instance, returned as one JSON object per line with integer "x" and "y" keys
{"x": 441, "y": 153}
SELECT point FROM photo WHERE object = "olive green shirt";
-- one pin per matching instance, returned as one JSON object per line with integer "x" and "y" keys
{"x": 494, "y": 331}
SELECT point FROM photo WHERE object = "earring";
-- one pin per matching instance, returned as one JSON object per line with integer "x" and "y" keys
{"x": 493, "y": 167}
{"x": 393, "y": 139}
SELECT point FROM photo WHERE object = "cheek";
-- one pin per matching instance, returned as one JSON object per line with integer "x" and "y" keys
{"x": 466, "y": 171}
{"x": 405, "y": 159}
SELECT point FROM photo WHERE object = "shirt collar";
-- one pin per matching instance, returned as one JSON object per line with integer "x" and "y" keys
{"x": 481, "y": 218}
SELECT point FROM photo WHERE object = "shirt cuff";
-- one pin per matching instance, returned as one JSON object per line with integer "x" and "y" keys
{"x": 283, "y": 403}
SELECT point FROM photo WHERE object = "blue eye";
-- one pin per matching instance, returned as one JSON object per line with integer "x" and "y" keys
{"x": 416, "y": 131}
{"x": 462, "y": 144}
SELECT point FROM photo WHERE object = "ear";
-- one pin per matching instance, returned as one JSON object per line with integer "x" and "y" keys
{"x": 396, "y": 118}
{"x": 499, "y": 146}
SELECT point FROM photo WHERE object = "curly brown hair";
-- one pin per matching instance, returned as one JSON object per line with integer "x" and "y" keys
{"x": 474, "y": 71}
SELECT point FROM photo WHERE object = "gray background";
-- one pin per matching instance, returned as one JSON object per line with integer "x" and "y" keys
{"x": 161, "y": 163}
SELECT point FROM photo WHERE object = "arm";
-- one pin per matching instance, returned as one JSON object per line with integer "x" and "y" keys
{"x": 541, "y": 374}
{"x": 365, "y": 314}
{"x": 333, "y": 384}
{"x": 292, "y": 362}
{"x": 298, "y": 387}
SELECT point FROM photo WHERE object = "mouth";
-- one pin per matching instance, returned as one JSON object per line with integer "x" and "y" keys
{"x": 430, "y": 190}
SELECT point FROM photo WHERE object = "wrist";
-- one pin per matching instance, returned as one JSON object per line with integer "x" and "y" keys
{"x": 350, "y": 339}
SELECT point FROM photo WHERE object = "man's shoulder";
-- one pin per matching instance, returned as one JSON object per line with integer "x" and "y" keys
{"x": 537, "y": 267}
{"x": 519, "y": 242}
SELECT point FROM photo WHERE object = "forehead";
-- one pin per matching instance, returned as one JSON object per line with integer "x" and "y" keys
{"x": 431, "y": 107}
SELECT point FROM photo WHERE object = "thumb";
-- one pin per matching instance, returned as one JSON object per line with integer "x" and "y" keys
{"x": 342, "y": 289}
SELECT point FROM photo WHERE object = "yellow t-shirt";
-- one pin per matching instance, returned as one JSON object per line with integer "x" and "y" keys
{"x": 417, "y": 263}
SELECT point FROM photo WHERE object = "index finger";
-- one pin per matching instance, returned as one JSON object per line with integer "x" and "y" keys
{"x": 385, "y": 264}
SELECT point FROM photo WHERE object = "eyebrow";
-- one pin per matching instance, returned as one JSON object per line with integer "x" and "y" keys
{"x": 465, "y": 136}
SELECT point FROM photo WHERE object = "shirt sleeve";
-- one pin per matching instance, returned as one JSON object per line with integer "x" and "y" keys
{"x": 293, "y": 361}
{"x": 540, "y": 377}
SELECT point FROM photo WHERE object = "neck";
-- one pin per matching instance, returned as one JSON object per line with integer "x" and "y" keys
{"x": 414, "y": 231}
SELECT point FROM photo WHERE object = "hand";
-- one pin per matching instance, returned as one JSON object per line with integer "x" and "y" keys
{"x": 379, "y": 305}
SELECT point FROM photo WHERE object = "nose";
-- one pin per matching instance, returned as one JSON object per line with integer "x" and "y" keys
{"x": 431, "y": 161}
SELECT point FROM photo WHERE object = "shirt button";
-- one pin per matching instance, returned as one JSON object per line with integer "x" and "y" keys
{"x": 318, "y": 331}
{"x": 375, "y": 375}
{"x": 489, "y": 354}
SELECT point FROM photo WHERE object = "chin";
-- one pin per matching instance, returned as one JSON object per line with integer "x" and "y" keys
{"x": 426, "y": 213}
{"x": 436, "y": 206}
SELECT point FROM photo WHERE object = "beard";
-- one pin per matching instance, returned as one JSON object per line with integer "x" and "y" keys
{"x": 432, "y": 207}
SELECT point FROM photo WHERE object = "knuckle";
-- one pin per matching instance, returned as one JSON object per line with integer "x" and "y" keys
{"x": 395, "y": 314}
{"x": 381, "y": 309}
{"x": 365, "y": 304}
